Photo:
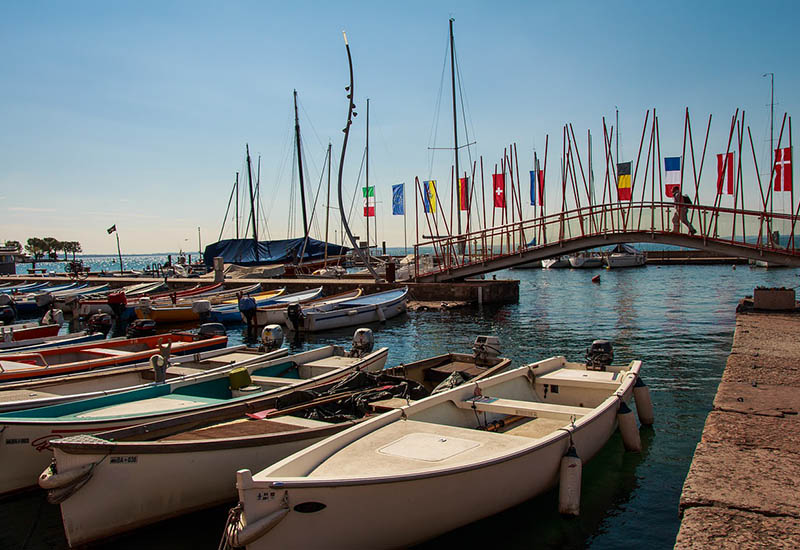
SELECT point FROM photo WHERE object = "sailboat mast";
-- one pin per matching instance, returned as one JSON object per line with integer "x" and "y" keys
{"x": 237, "y": 204}
{"x": 366, "y": 199}
{"x": 455, "y": 118}
{"x": 252, "y": 202}
{"x": 328, "y": 204}
{"x": 300, "y": 167}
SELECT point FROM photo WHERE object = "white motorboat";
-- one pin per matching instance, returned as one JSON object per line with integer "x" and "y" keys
{"x": 556, "y": 263}
{"x": 584, "y": 260}
{"x": 370, "y": 308}
{"x": 445, "y": 461}
{"x": 624, "y": 255}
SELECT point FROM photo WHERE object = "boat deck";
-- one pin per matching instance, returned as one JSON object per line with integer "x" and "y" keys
{"x": 245, "y": 427}
{"x": 410, "y": 446}
{"x": 166, "y": 403}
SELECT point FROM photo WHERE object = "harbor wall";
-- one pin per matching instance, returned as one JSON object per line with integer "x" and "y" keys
{"x": 743, "y": 486}
{"x": 489, "y": 291}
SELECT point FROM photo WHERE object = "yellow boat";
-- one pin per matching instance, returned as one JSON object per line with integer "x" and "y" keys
{"x": 202, "y": 310}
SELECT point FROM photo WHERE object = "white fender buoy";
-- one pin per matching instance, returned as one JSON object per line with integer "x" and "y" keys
{"x": 628, "y": 429}
{"x": 569, "y": 486}
{"x": 644, "y": 405}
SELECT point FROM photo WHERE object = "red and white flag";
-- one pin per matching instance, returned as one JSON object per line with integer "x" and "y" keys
{"x": 499, "y": 190}
{"x": 725, "y": 173}
{"x": 783, "y": 169}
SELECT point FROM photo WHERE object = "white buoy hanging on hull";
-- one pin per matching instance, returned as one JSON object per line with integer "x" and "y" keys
{"x": 628, "y": 428}
{"x": 644, "y": 405}
{"x": 569, "y": 487}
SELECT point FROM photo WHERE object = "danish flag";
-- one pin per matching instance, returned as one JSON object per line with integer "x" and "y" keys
{"x": 783, "y": 169}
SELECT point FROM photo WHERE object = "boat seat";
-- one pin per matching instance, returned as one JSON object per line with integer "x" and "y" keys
{"x": 109, "y": 352}
{"x": 605, "y": 380}
{"x": 272, "y": 380}
{"x": 521, "y": 408}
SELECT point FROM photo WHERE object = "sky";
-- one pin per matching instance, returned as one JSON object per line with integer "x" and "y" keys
{"x": 136, "y": 114}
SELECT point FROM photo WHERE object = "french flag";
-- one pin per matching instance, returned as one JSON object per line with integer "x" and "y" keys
{"x": 672, "y": 175}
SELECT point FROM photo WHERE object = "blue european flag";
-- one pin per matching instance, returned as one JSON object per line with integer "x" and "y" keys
{"x": 398, "y": 200}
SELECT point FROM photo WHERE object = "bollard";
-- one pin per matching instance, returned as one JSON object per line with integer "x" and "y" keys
{"x": 219, "y": 266}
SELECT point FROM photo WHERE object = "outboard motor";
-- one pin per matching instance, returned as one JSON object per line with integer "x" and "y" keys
{"x": 363, "y": 342}
{"x": 159, "y": 366}
{"x": 53, "y": 317}
{"x": 100, "y": 322}
{"x": 485, "y": 350}
{"x": 8, "y": 309}
{"x": 209, "y": 330}
{"x": 7, "y": 315}
{"x": 117, "y": 301}
{"x": 44, "y": 300}
{"x": 203, "y": 309}
{"x": 295, "y": 314}
{"x": 247, "y": 306}
{"x": 271, "y": 338}
{"x": 599, "y": 355}
{"x": 145, "y": 304}
{"x": 141, "y": 327}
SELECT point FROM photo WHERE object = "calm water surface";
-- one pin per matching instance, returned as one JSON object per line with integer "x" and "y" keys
{"x": 679, "y": 320}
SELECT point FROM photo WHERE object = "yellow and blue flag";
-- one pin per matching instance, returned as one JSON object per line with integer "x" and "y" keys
{"x": 429, "y": 198}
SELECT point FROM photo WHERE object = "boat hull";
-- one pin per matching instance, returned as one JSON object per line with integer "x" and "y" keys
{"x": 350, "y": 507}
{"x": 24, "y": 441}
{"x": 187, "y": 480}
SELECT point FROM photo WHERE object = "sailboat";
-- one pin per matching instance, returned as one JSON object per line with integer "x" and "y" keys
{"x": 252, "y": 251}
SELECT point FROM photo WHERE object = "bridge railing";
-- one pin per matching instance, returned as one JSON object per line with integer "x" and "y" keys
{"x": 751, "y": 229}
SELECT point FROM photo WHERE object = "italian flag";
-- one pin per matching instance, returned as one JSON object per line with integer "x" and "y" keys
{"x": 369, "y": 201}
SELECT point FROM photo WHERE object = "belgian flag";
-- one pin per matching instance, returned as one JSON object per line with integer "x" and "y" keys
{"x": 624, "y": 181}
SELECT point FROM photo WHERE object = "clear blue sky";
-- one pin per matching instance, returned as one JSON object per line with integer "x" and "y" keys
{"x": 137, "y": 113}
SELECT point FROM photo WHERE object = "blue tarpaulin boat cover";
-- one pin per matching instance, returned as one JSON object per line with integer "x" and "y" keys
{"x": 243, "y": 251}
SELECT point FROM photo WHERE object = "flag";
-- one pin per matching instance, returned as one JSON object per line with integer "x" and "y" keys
{"x": 499, "y": 190}
{"x": 672, "y": 175}
{"x": 398, "y": 200}
{"x": 112, "y": 229}
{"x": 369, "y": 201}
{"x": 624, "y": 181}
{"x": 429, "y": 198}
{"x": 463, "y": 194}
{"x": 783, "y": 169}
{"x": 534, "y": 192}
{"x": 725, "y": 172}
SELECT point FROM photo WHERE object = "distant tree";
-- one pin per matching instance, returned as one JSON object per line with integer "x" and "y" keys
{"x": 36, "y": 247}
{"x": 15, "y": 244}
{"x": 72, "y": 246}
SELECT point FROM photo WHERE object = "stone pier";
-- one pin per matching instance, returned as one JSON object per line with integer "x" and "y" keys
{"x": 743, "y": 486}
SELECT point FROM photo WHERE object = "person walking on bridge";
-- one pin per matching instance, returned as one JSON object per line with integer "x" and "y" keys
{"x": 681, "y": 201}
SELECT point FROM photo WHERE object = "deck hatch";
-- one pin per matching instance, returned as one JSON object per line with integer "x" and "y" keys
{"x": 428, "y": 447}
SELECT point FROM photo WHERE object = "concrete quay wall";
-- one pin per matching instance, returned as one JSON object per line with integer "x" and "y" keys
{"x": 489, "y": 291}
{"x": 743, "y": 486}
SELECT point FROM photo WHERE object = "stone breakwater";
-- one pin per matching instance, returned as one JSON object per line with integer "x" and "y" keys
{"x": 743, "y": 486}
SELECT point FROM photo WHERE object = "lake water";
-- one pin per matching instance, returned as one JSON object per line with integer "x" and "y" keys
{"x": 678, "y": 320}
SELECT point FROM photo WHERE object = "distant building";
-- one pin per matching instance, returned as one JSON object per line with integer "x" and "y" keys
{"x": 8, "y": 255}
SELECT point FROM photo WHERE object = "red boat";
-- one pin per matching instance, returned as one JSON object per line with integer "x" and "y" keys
{"x": 94, "y": 355}
{"x": 26, "y": 331}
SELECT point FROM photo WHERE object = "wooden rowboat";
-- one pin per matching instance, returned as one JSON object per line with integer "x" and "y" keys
{"x": 27, "y": 433}
{"x": 158, "y": 485}
{"x": 445, "y": 461}
{"x": 95, "y": 355}
{"x": 370, "y": 308}
{"x": 275, "y": 314}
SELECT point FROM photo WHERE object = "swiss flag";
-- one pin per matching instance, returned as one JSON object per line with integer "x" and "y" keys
{"x": 783, "y": 169}
{"x": 499, "y": 190}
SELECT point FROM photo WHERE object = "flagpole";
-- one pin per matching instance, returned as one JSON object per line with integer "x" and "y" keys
{"x": 119, "y": 252}
{"x": 405, "y": 228}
